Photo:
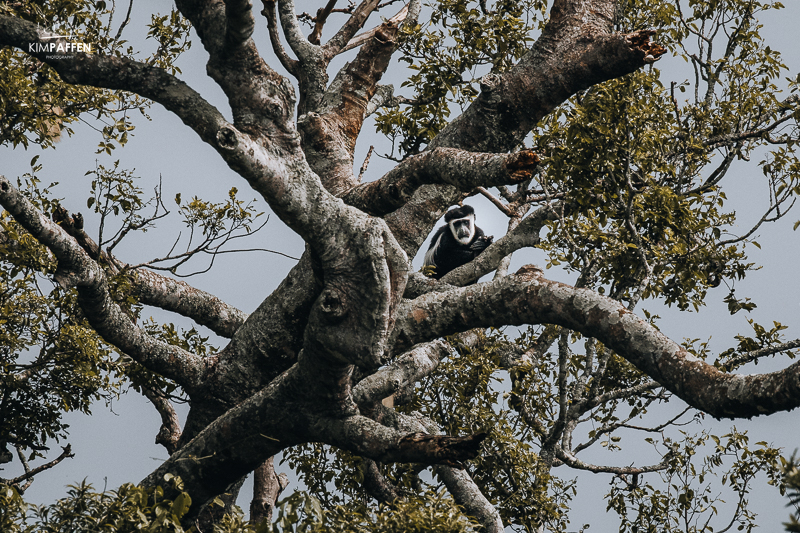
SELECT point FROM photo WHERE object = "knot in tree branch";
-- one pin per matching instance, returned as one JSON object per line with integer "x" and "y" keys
{"x": 640, "y": 40}
{"x": 226, "y": 138}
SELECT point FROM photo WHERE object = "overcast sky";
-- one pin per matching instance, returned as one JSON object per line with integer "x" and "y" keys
{"x": 116, "y": 445}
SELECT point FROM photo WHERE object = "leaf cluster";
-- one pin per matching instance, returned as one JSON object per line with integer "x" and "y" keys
{"x": 125, "y": 510}
{"x": 686, "y": 500}
{"x": 51, "y": 360}
{"x": 458, "y": 44}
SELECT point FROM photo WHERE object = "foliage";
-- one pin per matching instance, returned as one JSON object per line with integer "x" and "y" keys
{"x": 132, "y": 508}
{"x": 636, "y": 163}
{"x": 448, "y": 55}
{"x": 127, "y": 509}
{"x": 791, "y": 480}
{"x": 686, "y": 500}
{"x": 52, "y": 361}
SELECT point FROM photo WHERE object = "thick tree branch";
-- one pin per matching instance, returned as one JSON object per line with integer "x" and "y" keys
{"x": 366, "y": 437}
{"x": 529, "y": 298}
{"x": 330, "y": 130}
{"x": 111, "y": 72}
{"x": 463, "y": 170}
{"x": 77, "y": 269}
{"x": 405, "y": 370}
{"x": 179, "y": 297}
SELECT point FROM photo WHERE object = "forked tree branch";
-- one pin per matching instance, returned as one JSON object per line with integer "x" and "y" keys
{"x": 77, "y": 269}
{"x": 461, "y": 169}
{"x": 30, "y": 473}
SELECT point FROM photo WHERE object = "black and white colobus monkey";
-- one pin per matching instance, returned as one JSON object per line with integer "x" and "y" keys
{"x": 456, "y": 243}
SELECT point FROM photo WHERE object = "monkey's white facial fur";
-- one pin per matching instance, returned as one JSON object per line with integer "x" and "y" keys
{"x": 463, "y": 229}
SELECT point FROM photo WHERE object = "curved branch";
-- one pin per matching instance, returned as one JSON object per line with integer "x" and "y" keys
{"x": 461, "y": 169}
{"x": 528, "y": 298}
{"x": 272, "y": 27}
{"x": 111, "y": 72}
{"x": 287, "y": 412}
{"x": 170, "y": 432}
{"x": 576, "y": 463}
{"x": 305, "y": 51}
{"x": 571, "y": 55}
{"x": 77, "y": 269}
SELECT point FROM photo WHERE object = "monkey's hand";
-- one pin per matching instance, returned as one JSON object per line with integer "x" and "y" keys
{"x": 481, "y": 243}
{"x": 428, "y": 270}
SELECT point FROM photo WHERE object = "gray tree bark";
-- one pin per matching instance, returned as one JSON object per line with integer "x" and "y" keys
{"x": 286, "y": 375}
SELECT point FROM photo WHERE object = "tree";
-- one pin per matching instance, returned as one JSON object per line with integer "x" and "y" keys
{"x": 566, "y": 126}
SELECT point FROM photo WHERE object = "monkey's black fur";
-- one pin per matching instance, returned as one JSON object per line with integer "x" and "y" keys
{"x": 456, "y": 243}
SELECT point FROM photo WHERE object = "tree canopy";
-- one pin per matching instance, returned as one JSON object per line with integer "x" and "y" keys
{"x": 400, "y": 401}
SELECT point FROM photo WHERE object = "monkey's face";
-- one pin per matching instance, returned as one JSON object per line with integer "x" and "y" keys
{"x": 463, "y": 229}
